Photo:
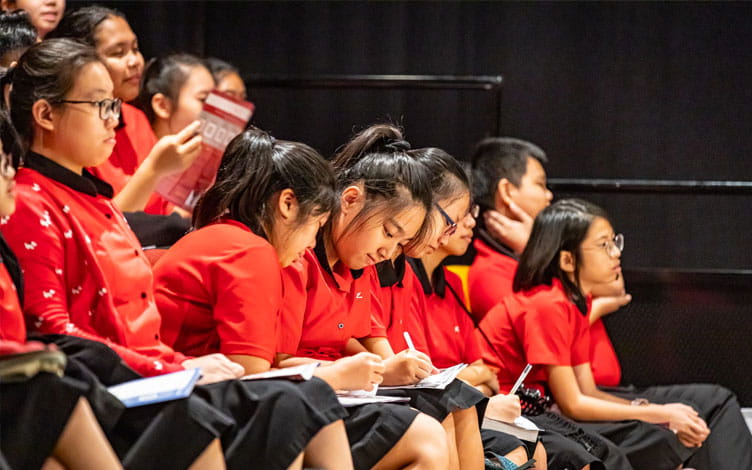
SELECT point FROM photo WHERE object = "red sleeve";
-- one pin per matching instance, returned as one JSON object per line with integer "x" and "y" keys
{"x": 40, "y": 254}
{"x": 12, "y": 326}
{"x": 550, "y": 336}
{"x": 379, "y": 304}
{"x": 417, "y": 312}
{"x": 247, "y": 289}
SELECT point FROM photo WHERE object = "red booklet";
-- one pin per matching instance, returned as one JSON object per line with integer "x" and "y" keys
{"x": 222, "y": 118}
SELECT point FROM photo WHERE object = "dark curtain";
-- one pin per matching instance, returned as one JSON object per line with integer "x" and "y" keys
{"x": 609, "y": 90}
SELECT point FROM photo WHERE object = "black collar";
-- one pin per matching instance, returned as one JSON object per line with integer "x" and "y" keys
{"x": 85, "y": 183}
{"x": 391, "y": 273}
{"x": 436, "y": 285}
{"x": 320, "y": 251}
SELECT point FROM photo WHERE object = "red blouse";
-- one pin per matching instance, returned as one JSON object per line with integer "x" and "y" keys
{"x": 490, "y": 278}
{"x": 134, "y": 140}
{"x": 219, "y": 289}
{"x": 323, "y": 309}
{"x": 448, "y": 329}
{"x": 603, "y": 359}
{"x": 541, "y": 327}
{"x": 85, "y": 273}
{"x": 12, "y": 325}
{"x": 393, "y": 292}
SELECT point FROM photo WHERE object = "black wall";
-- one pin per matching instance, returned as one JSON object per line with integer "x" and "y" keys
{"x": 609, "y": 90}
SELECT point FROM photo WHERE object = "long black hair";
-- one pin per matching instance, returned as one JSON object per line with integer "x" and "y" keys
{"x": 254, "y": 168}
{"x": 392, "y": 178}
{"x": 559, "y": 227}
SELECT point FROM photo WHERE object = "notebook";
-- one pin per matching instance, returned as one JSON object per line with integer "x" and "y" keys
{"x": 296, "y": 374}
{"x": 173, "y": 386}
{"x": 522, "y": 428}
{"x": 437, "y": 381}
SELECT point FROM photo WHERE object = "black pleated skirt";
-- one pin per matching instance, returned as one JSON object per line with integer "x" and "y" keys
{"x": 374, "y": 429}
{"x": 33, "y": 414}
{"x": 437, "y": 404}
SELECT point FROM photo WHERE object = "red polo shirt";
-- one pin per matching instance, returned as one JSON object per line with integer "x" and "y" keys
{"x": 219, "y": 289}
{"x": 393, "y": 292}
{"x": 134, "y": 140}
{"x": 12, "y": 325}
{"x": 449, "y": 330}
{"x": 85, "y": 273}
{"x": 490, "y": 277}
{"x": 324, "y": 308}
{"x": 541, "y": 327}
{"x": 603, "y": 359}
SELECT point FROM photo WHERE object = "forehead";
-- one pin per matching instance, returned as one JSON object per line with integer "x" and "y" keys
{"x": 198, "y": 78}
{"x": 600, "y": 228}
{"x": 113, "y": 30}
{"x": 93, "y": 78}
{"x": 534, "y": 169}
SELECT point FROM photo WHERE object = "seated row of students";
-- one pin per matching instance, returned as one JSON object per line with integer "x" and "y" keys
{"x": 87, "y": 276}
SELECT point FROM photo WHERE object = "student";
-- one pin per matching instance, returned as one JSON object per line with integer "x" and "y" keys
{"x": 572, "y": 249}
{"x": 383, "y": 200}
{"x": 227, "y": 78}
{"x": 70, "y": 434}
{"x": 219, "y": 289}
{"x": 44, "y": 14}
{"x": 139, "y": 160}
{"x": 87, "y": 276}
{"x": 510, "y": 184}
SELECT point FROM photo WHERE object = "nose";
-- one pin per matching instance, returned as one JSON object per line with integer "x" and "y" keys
{"x": 549, "y": 195}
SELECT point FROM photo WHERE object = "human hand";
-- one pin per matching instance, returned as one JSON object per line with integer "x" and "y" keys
{"x": 504, "y": 408}
{"x": 359, "y": 372}
{"x": 408, "y": 367}
{"x": 689, "y": 427}
{"x": 214, "y": 368}
{"x": 512, "y": 231}
{"x": 176, "y": 152}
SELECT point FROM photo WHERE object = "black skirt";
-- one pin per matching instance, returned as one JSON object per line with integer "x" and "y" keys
{"x": 374, "y": 429}
{"x": 501, "y": 443}
{"x": 729, "y": 444}
{"x": 33, "y": 414}
{"x": 439, "y": 403}
{"x": 568, "y": 446}
{"x": 274, "y": 419}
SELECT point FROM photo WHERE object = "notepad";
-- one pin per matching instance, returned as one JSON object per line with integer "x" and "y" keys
{"x": 296, "y": 374}
{"x": 349, "y": 401}
{"x": 522, "y": 428}
{"x": 437, "y": 381}
{"x": 173, "y": 386}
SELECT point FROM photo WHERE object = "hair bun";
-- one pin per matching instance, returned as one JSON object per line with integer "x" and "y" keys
{"x": 397, "y": 145}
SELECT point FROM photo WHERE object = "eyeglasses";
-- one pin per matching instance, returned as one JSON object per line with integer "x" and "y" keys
{"x": 108, "y": 108}
{"x": 613, "y": 247}
{"x": 452, "y": 225}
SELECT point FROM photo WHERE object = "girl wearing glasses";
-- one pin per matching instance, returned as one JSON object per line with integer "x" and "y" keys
{"x": 571, "y": 252}
{"x": 87, "y": 276}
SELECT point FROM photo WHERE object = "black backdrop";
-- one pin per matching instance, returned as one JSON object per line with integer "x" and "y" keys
{"x": 609, "y": 90}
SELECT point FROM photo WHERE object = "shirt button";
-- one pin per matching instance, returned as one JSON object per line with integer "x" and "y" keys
{"x": 156, "y": 337}
{"x": 143, "y": 295}
{"x": 135, "y": 252}
{"x": 341, "y": 325}
{"x": 109, "y": 216}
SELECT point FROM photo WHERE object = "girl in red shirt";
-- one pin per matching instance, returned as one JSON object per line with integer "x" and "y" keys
{"x": 219, "y": 289}
{"x": 573, "y": 250}
{"x": 87, "y": 276}
{"x": 383, "y": 199}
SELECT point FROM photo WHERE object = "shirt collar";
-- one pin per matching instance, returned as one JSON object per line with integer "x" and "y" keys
{"x": 85, "y": 183}
{"x": 320, "y": 252}
{"x": 391, "y": 273}
{"x": 435, "y": 285}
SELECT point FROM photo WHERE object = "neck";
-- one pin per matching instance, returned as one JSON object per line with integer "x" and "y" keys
{"x": 161, "y": 128}
{"x": 331, "y": 251}
{"x": 38, "y": 146}
{"x": 432, "y": 261}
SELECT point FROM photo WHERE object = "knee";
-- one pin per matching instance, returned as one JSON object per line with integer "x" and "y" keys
{"x": 429, "y": 442}
{"x": 540, "y": 456}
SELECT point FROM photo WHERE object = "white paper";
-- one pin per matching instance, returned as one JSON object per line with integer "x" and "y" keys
{"x": 348, "y": 401}
{"x": 297, "y": 373}
{"x": 437, "y": 381}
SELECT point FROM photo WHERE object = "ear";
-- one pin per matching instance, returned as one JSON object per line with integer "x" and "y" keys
{"x": 352, "y": 199}
{"x": 161, "y": 105}
{"x": 504, "y": 190}
{"x": 41, "y": 112}
{"x": 567, "y": 262}
{"x": 287, "y": 205}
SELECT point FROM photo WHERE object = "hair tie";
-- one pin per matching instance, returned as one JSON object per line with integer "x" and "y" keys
{"x": 397, "y": 146}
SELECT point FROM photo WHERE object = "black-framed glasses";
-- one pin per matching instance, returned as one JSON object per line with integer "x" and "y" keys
{"x": 451, "y": 224}
{"x": 108, "y": 108}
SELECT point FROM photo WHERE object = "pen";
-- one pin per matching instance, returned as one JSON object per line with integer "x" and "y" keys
{"x": 409, "y": 341}
{"x": 520, "y": 379}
